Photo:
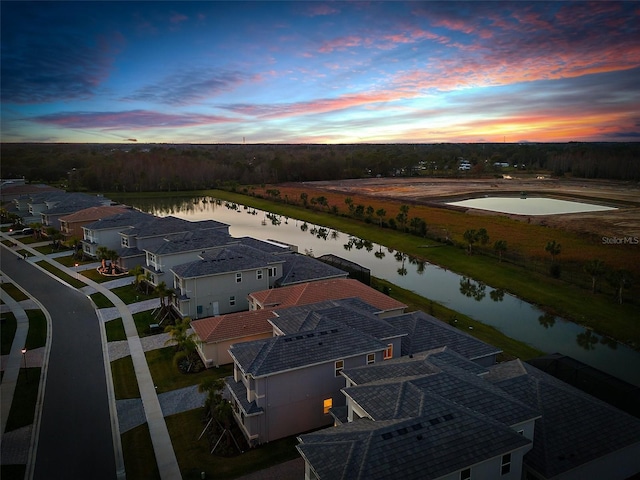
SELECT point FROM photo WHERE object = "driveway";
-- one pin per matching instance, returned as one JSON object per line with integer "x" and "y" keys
{"x": 75, "y": 438}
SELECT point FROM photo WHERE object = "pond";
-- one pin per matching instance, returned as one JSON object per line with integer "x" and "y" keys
{"x": 525, "y": 205}
{"x": 509, "y": 314}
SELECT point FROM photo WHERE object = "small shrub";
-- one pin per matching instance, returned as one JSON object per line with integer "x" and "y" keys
{"x": 555, "y": 270}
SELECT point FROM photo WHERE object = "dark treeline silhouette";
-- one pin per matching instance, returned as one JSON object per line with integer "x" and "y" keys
{"x": 163, "y": 167}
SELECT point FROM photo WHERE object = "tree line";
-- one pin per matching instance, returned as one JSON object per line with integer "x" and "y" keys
{"x": 109, "y": 167}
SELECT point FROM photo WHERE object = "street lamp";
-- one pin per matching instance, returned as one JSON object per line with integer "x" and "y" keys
{"x": 24, "y": 357}
{"x": 76, "y": 271}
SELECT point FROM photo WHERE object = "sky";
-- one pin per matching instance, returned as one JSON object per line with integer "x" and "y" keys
{"x": 319, "y": 72}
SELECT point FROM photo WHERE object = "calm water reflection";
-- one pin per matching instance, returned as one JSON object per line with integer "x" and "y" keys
{"x": 529, "y": 205}
{"x": 495, "y": 307}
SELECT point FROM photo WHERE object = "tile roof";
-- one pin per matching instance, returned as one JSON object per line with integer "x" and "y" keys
{"x": 575, "y": 427}
{"x": 231, "y": 258}
{"x": 233, "y": 325}
{"x": 300, "y": 268}
{"x": 313, "y": 292}
{"x": 351, "y": 312}
{"x": 446, "y": 440}
{"x": 94, "y": 213}
{"x": 425, "y": 332}
{"x": 286, "y": 352}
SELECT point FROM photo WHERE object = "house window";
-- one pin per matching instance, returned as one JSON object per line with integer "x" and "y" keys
{"x": 232, "y": 300}
{"x": 327, "y": 404}
{"x": 388, "y": 353}
{"x": 339, "y": 367}
{"x": 506, "y": 464}
{"x": 258, "y": 274}
{"x": 238, "y": 277}
{"x": 371, "y": 358}
{"x": 273, "y": 271}
{"x": 125, "y": 242}
{"x": 465, "y": 474}
{"x": 152, "y": 258}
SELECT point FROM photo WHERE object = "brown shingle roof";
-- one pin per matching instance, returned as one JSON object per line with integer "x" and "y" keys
{"x": 92, "y": 214}
{"x": 313, "y": 292}
{"x": 233, "y": 325}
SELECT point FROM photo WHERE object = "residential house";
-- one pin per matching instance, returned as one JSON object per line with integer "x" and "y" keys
{"x": 431, "y": 417}
{"x": 153, "y": 231}
{"x": 105, "y": 232}
{"x": 220, "y": 280}
{"x": 440, "y": 416}
{"x": 317, "y": 291}
{"x": 215, "y": 335}
{"x": 71, "y": 225}
{"x": 287, "y": 384}
{"x": 66, "y": 204}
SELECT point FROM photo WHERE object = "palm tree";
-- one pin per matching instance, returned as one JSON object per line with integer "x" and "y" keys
{"x": 163, "y": 292}
{"x": 184, "y": 340}
{"x": 595, "y": 268}
{"x": 620, "y": 279}
{"x": 470, "y": 236}
{"x": 554, "y": 249}
{"x": 500, "y": 246}
{"x": 137, "y": 273}
{"x": 380, "y": 213}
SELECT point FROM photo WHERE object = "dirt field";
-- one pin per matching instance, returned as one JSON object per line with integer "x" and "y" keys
{"x": 623, "y": 222}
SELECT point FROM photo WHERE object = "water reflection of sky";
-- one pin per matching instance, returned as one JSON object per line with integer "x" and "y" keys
{"x": 529, "y": 205}
{"x": 506, "y": 312}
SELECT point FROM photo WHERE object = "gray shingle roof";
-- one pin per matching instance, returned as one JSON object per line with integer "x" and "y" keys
{"x": 159, "y": 226}
{"x": 575, "y": 427}
{"x": 287, "y": 352}
{"x": 265, "y": 246}
{"x": 302, "y": 268}
{"x": 351, "y": 312}
{"x": 191, "y": 241}
{"x": 449, "y": 439}
{"x": 231, "y": 258}
{"x": 73, "y": 202}
{"x": 426, "y": 333}
{"x": 239, "y": 391}
{"x": 120, "y": 220}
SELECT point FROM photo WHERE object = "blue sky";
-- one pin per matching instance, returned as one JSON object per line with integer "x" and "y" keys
{"x": 320, "y": 72}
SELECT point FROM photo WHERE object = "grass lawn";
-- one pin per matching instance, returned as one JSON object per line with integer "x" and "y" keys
{"x": 128, "y": 294}
{"x": 167, "y": 377}
{"x": 14, "y": 292}
{"x": 93, "y": 274}
{"x": 115, "y": 330}
{"x": 125, "y": 384}
{"x": 37, "y": 335}
{"x": 194, "y": 457}
{"x": 142, "y": 321}
{"x": 24, "y": 399}
{"x": 100, "y": 300}
{"x": 48, "y": 249}
{"x": 139, "y": 458}
{"x": 70, "y": 261}
{"x": 71, "y": 280}
{"x": 7, "y": 331}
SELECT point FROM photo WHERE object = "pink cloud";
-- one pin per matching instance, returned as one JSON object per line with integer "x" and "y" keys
{"x": 178, "y": 18}
{"x": 341, "y": 43}
{"x": 322, "y": 9}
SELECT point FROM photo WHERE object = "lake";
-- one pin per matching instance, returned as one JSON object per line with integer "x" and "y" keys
{"x": 509, "y": 314}
{"x": 529, "y": 205}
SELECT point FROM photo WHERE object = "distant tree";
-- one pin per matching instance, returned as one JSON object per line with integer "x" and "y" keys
{"x": 369, "y": 211}
{"x": 554, "y": 249}
{"x": 350, "y": 206}
{"x": 500, "y": 246}
{"x": 472, "y": 236}
{"x": 403, "y": 216}
{"x": 305, "y": 198}
{"x": 380, "y": 213}
{"x": 620, "y": 279}
{"x": 594, "y": 268}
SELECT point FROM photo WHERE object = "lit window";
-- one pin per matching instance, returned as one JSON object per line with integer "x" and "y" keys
{"x": 465, "y": 474}
{"x": 232, "y": 300}
{"x": 371, "y": 358}
{"x": 238, "y": 277}
{"x": 388, "y": 353}
{"x": 339, "y": 367}
{"x": 327, "y": 404}
{"x": 506, "y": 464}
{"x": 258, "y": 274}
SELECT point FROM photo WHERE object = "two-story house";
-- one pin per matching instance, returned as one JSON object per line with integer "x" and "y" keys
{"x": 71, "y": 225}
{"x": 220, "y": 280}
{"x": 67, "y": 204}
{"x": 287, "y": 384}
{"x": 431, "y": 417}
{"x": 105, "y": 232}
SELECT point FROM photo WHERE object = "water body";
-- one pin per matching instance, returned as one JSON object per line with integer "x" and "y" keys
{"x": 529, "y": 205}
{"x": 509, "y": 314}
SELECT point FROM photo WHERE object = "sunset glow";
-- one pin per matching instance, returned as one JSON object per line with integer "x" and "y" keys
{"x": 320, "y": 72}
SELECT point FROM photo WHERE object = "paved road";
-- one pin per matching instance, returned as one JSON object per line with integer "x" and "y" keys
{"x": 75, "y": 438}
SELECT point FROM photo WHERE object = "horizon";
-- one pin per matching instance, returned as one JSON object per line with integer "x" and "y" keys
{"x": 320, "y": 73}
